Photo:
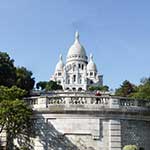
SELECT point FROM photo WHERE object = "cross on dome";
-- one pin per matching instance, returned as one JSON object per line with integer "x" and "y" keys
{"x": 60, "y": 57}
{"x": 77, "y": 35}
{"x": 91, "y": 57}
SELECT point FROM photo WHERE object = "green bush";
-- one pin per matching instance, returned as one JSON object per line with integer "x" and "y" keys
{"x": 130, "y": 147}
{"x": 24, "y": 148}
{"x": 141, "y": 148}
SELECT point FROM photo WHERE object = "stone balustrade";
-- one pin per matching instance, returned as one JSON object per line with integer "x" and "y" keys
{"x": 79, "y": 100}
{"x": 123, "y": 102}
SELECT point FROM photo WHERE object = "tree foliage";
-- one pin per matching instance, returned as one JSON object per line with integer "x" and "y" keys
{"x": 48, "y": 86}
{"x": 126, "y": 89}
{"x": 41, "y": 85}
{"x": 12, "y": 93}
{"x": 15, "y": 115}
{"x": 11, "y": 75}
{"x": 24, "y": 79}
{"x": 52, "y": 85}
{"x": 14, "y": 119}
{"x": 7, "y": 70}
{"x": 143, "y": 90}
{"x": 104, "y": 88}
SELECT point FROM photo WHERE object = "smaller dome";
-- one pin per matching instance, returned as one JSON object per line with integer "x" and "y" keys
{"x": 60, "y": 64}
{"x": 91, "y": 65}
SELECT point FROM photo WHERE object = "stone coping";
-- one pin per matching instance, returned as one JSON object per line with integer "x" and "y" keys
{"x": 104, "y": 111}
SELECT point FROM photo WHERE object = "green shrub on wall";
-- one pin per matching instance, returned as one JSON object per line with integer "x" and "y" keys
{"x": 141, "y": 148}
{"x": 130, "y": 147}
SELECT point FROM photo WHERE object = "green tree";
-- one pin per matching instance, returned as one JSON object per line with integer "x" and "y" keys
{"x": 104, "y": 88}
{"x": 12, "y": 93}
{"x": 52, "y": 85}
{"x": 14, "y": 118}
{"x": 10, "y": 75}
{"x": 24, "y": 79}
{"x": 7, "y": 70}
{"x": 41, "y": 85}
{"x": 143, "y": 90}
{"x": 48, "y": 86}
{"x": 15, "y": 115}
{"x": 126, "y": 89}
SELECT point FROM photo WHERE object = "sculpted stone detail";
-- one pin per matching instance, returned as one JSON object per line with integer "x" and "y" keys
{"x": 56, "y": 101}
{"x": 78, "y": 100}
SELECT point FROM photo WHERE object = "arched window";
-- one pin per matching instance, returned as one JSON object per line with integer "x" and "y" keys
{"x": 59, "y": 82}
{"x": 74, "y": 89}
{"x": 59, "y": 73}
{"x": 80, "y": 79}
{"x": 82, "y": 66}
{"x": 80, "y": 89}
{"x": 74, "y": 78}
{"x": 91, "y": 73}
{"x": 67, "y": 88}
{"x": 91, "y": 82}
{"x": 68, "y": 79}
{"x": 79, "y": 66}
{"x": 74, "y": 67}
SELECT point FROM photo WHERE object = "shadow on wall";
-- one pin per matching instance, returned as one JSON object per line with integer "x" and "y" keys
{"x": 23, "y": 141}
{"x": 50, "y": 138}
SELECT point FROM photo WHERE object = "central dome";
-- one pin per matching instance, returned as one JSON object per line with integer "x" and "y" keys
{"x": 76, "y": 51}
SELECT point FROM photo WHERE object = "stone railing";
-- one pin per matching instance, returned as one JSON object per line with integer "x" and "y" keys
{"x": 132, "y": 102}
{"x": 83, "y": 101}
{"x": 78, "y": 100}
{"x": 69, "y": 102}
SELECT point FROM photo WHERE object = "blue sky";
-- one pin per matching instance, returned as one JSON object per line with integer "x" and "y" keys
{"x": 117, "y": 32}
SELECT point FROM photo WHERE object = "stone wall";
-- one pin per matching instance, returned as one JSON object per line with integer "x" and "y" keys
{"x": 83, "y": 121}
{"x": 75, "y": 132}
{"x": 72, "y": 134}
{"x": 2, "y": 140}
{"x": 136, "y": 132}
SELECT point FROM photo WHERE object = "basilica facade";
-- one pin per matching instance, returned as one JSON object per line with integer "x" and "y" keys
{"x": 79, "y": 72}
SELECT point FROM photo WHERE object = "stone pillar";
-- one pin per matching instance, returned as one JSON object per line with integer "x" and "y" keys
{"x": 114, "y": 135}
{"x": 114, "y": 103}
{"x": 77, "y": 73}
{"x": 42, "y": 102}
{"x": 71, "y": 79}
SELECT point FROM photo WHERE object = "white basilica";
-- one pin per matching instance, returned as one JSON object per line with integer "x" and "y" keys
{"x": 78, "y": 73}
